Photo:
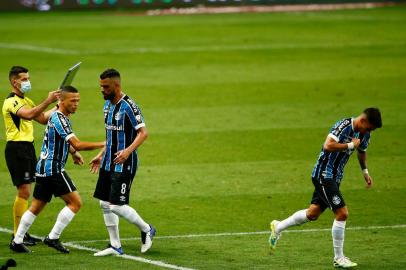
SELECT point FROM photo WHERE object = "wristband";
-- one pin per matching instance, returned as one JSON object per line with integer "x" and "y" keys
{"x": 350, "y": 145}
{"x": 365, "y": 171}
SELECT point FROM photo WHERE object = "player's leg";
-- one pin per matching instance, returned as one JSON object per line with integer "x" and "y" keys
{"x": 338, "y": 233}
{"x": 316, "y": 208}
{"x": 119, "y": 199}
{"x": 333, "y": 197}
{"x": 111, "y": 220}
{"x": 27, "y": 220}
{"x": 63, "y": 187}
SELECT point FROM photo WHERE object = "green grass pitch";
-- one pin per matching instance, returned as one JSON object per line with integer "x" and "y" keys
{"x": 237, "y": 107}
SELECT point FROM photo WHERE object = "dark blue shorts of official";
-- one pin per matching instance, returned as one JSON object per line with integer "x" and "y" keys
{"x": 114, "y": 187}
{"x": 57, "y": 185}
{"x": 327, "y": 194}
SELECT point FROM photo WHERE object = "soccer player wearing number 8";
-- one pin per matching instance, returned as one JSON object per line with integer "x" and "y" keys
{"x": 51, "y": 177}
{"x": 345, "y": 137}
{"x": 118, "y": 162}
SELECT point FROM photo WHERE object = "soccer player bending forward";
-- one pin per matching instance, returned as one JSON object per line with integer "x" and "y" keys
{"x": 345, "y": 137}
{"x": 51, "y": 177}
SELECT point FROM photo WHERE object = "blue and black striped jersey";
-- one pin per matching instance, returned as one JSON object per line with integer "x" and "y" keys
{"x": 55, "y": 147}
{"x": 330, "y": 165}
{"x": 122, "y": 120}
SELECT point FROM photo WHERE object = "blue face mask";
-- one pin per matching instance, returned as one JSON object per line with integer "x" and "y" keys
{"x": 25, "y": 86}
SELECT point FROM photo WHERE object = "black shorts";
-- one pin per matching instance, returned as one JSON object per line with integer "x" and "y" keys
{"x": 114, "y": 187}
{"x": 21, "y": 162}
{"x": 327, "y": 194}
{"x": 57, "y": 185}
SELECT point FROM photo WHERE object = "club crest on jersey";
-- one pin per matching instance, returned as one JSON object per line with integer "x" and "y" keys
{"x": 43, "y": 155}
{"x": 336, "y": 200}
{"x": 117, "y": 116}
{"x": 138, "y": 117}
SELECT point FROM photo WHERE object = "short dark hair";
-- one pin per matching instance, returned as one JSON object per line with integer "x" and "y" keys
{"x": 15, "y": 70}
{"x": 70, "y": 89}
{"x": 374, "y": 117}
{"x": 110, "y": 73}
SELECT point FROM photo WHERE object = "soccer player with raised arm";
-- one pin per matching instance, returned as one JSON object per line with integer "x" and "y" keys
{"x": 51, "y": 177}
{"x": 118, "y": 162}
{"x": 18, "y": 112}
{"x": 345, "y": 137}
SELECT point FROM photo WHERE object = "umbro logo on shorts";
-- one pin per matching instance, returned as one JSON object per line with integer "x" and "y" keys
{"x": 336, "y": 200}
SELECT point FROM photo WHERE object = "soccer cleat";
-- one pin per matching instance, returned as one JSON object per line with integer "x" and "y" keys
{"x": 343, "y": 262}
{"x": 110, "y": 250}
{"x": 146, "y": 239}
{"x": 273, "y": 238}
{"x": 28, "y": 240}
{"x": 56, "y": 244}
{"x": 20, "y": 248}
{"x": 31, "y": 240}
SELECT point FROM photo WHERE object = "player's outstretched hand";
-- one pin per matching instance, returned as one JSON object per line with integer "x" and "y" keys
{"x": 368, "y": 180}
{"x": 95, "y": 164}
{"x": 77, "y": 158}
{"x": 121, "y": 156}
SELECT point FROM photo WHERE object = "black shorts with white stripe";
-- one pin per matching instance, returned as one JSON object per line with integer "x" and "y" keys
{"x": 57, "y": 185}
{"x": 327, "y": 194}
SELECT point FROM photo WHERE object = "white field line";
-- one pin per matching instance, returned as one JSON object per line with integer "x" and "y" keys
{"x": 192, "y": 49}
{"x": 400, "y": 226}
{"x": 28, "y": 47}
{"x": 125, "y": 256}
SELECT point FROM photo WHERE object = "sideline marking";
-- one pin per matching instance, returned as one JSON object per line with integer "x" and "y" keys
{"x": 125, "y": 256}
{"x": 28, "y": 47}
{"x": 193, "y": 49}
{"x": 400, "y": 226}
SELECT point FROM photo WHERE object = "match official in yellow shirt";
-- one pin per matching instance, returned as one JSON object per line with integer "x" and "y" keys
{"x": 18, "y": 112}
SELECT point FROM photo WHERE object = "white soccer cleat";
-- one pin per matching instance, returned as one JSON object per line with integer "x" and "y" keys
{"x": 109, "y": 251}
{"x": 274, "y": 237}
{"x": 343, "y": 262}
{"x": 146, "y": 239}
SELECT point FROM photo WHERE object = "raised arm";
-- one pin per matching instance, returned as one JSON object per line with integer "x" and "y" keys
{"x": 32, "y": 113}
{"x": 43, "y": 117}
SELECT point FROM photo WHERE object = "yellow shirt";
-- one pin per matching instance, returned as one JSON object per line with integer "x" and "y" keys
{"x": 17, "y": 129}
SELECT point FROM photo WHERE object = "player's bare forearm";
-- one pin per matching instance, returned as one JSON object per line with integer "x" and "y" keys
{"x": 362, "y": 159}
{"x": 79, "y": 145}
{"x": 142, "y": 135}
{"x": 121, "y": 156}
{"x": 331, "y": 145}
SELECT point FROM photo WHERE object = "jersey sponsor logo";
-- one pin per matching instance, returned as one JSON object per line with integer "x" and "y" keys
{"x": 40, "y": 174}
{"x": 15, "y": 103}
{"x": 138, "y": 118}
{"x": 336, "y": 200}
{"x": 26, "y": 176}
{"x": 114, "y": 127}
